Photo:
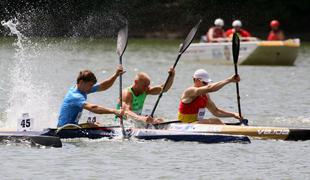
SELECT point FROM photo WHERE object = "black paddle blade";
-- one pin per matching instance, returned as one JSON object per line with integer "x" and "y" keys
{"x": 235, "y": 47}
{"x": 122, "y": 39}
{"x": 189, "y": 38}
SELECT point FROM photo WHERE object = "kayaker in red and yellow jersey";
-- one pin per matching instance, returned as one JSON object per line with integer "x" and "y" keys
{"x": 275, "y": 34}
{"x": 133, "y": 97}
{"x": 217, "y": 33}
{"x": 244, "y": 35}
{"x": 195, "y": 100}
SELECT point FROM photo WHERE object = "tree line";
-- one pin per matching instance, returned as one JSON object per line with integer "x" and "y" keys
{"x": 152, "y": 18}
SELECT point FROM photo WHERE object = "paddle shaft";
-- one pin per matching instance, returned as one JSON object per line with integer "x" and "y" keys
{"x": 237, "y": 88}
{"x": 122, "y": 39}
{"x": 165, "y": 85}
{"x": 185, "y": 44}
{"x": 121, "y": 98}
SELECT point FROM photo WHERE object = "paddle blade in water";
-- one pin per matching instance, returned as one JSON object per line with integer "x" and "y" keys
{"x": 235, "y": 47}
{"x": 189, "y": 38}
{"x": 122, "y": 39}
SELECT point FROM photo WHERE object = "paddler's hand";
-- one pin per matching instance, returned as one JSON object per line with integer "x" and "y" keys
{"x": 234, "y": 78}
{"x": 158, "y": 121}
{"x": 119, "y": 70}
{"x": 148, "y": 119}
{"x": 171, "y": 71}
{"x": 97, "y": 123}
{"x": 119, "y": 113}
{"x": 236, "y": 115}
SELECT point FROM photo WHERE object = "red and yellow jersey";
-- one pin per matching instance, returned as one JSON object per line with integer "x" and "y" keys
{"x": 190, "y": 112}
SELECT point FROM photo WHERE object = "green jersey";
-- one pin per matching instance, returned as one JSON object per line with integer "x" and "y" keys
{"x": 137, "y": 102}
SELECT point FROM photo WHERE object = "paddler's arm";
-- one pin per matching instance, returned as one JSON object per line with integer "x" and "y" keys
{"x": 157, "y": 89}
{"x": 210, "y": 35}
{"x": 133, "y": 115}
{"x": 106, "y": 84}
{"x": 127, "y": 106}
{"x": 102, "y": 110}
{"x": 220, "y": 112}
{"x": 212, "y": 87}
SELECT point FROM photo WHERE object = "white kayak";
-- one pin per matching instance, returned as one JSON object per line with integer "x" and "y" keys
{"x": 251, "y": 52}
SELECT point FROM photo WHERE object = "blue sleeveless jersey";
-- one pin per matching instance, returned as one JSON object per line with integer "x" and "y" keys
{"x": 72, "y": 106}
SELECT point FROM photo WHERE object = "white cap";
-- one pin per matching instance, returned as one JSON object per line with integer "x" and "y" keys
{"x": 202, "y": 75}
{"x": 237, "y": 23}
{"x": 219, "y": 22}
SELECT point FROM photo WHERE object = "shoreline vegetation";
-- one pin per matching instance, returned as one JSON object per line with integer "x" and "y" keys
{"x": 152, "y": 18}
{"x": 109, "y": 40}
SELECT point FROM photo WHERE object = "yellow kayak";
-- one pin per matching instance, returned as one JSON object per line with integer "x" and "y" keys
{"x": 278, "y": 133}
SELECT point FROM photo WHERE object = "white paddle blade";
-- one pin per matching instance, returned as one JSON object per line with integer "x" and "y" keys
{"x": 122, "y": 39}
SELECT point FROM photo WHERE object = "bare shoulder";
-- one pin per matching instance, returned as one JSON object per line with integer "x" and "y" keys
{"x": 127, "y": 96}
{"x": 192, "y": 88}
{"x": 188, "y": 95}
{"x": 189, "y": 92}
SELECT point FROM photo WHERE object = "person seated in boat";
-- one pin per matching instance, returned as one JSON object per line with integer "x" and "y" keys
{"x": 134, "y": 96}
{"x": 75, "y": 99}
{"x": 217, "y": 33}
{"x": 243, "y": 34}
{"x": 196, "y": 99}
{"x": 275, "y": 34}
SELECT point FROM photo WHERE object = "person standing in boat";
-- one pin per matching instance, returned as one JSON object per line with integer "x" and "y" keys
{"x": 217, "y": 33}
{"x": 275, "y": 34}
{"x": 75, "y": 99}
{"x": 196, "y": 99}
{"x": 244, "y": 35}
{"x": 134, "y": 96}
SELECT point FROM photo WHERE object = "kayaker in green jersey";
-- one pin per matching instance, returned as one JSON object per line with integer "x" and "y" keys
{"x": 134, "y": 96}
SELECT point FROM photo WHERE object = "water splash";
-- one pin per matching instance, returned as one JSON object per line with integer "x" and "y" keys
{"x": 26, "y": 94}
{"x": 12, "y": 25}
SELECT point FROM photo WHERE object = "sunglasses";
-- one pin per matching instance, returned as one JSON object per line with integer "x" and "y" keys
{"x": 203, "y": 82}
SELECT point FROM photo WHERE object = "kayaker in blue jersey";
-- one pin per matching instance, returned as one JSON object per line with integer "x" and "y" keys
{"x": 75, "y": 100}
{"x": 134, "y": 96}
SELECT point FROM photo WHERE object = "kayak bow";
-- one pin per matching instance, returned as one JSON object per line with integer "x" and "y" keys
{"x": 35, "y": 137}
